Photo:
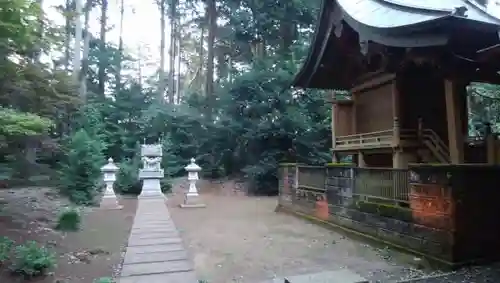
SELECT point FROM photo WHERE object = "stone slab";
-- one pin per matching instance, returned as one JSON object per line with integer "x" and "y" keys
{"x": 153, "y": 227}
{"x": 180, "y": 277}
{"x": 151, "y": 231}
{"x": 156, "y": 235}
{"x": 156, "y": 268}
{"x": 153, "y": 241}
{"x": 192, "y": 201}
{"x": 131, "y": 258}
{"x": 338, "y": 276}
{"x": 198, "y": 205}
{"x": 163, "y": 220}
{"x": 144, "y": 222}
{"x": 155, "y": 249}
{"x": 151, "y": 220}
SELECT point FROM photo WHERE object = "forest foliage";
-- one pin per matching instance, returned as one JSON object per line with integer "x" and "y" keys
{"x": 69, "y": 99}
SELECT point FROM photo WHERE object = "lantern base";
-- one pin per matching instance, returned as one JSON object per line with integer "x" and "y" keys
{"x": 192, "y": 201}
{"x": 110, "y": 203}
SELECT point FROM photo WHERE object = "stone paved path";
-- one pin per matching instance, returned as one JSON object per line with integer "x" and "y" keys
{"x": 155, "y": 252}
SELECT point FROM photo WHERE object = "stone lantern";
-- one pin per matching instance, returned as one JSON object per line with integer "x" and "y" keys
{"x": 192, "y": 198}
{"x": 109, "y": 199}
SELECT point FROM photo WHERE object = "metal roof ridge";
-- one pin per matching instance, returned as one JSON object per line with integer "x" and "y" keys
{"x": 404, "y": 4}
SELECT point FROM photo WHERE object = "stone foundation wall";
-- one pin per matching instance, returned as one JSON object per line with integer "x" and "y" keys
{"x": 441, "y": 219}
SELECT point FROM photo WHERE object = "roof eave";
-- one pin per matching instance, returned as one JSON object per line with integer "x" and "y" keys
{"x": 304, "y": 76}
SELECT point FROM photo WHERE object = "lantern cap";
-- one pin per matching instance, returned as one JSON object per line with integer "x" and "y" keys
{"x": 110, "y": 167}
{"x": 192, "y": 167}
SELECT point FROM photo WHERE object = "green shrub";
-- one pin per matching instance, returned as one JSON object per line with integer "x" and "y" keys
{"x": 6, "y": 245}
{"x": 127, "y": 178}
{"x": 81, "y": 171}
{"x": 166, "y": 185}
{"x": 385, "y": 210}
{"x": 69, "y": 220}
{"x": 32, "y": 260}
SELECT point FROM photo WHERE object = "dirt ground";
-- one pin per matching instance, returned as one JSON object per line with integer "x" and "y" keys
{"x": 94, "y": 252}
{"x": 241, "y": 239}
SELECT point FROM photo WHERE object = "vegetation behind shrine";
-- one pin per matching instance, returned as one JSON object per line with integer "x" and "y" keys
{"x": 238, "y": 116}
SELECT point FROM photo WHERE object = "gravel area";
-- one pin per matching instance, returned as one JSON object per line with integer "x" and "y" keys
{"x": 241, "y": 239}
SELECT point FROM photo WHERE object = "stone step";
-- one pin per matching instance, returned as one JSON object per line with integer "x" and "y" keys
{"x": 153, "y": 241}
{"x": 131, "y": 258}
{"x": 179, "y": 277}
{"x": 173, "y": 266}
{"x": 155, "y": 248}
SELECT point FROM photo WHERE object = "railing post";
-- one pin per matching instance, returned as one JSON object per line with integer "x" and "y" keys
{"x": 490, "y": 144}
{"x": 334, "y": 113}
{"x": 396, "y": 133}
{"x": 296, "y": 185}
{"x": 420, "y": 128}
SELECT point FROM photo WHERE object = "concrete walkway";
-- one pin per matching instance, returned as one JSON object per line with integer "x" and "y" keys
{"x": 155, "y": 253}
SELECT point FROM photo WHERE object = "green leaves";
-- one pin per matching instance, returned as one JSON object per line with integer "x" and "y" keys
{"x": 82, "y": 168}
{"x": 18, "y": 124}
{"x": 18, "y": 24}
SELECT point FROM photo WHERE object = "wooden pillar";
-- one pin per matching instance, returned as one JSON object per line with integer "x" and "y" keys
{"x": 396, "y": 135}
{"x": 397, "y": 159}
{"x": 454, "y": 118}
{"x": 361, "y": 160}
{"x": 334, "y": 114}
{"x": 490, "y": 145}
{"x": 354, "y": 126}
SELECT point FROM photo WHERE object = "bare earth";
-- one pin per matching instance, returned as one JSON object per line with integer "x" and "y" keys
{"x": 94, "y": 252}
{"x": 241, "y": 239}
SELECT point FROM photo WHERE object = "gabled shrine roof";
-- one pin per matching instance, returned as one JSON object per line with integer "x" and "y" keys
{"x": 404, "y": 13}
{"x": 392, "y": 23}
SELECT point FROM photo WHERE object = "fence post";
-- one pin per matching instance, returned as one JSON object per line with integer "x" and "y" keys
{"x": 296, "y": 185}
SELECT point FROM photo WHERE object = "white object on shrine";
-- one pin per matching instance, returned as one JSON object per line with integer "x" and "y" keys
{"x": 192, "y": 198}
{"x": 151, "y": 173}
{"x": 109, "y": 199}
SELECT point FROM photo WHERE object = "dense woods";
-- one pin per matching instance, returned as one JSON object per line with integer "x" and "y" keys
{"x": 69, "y": 98}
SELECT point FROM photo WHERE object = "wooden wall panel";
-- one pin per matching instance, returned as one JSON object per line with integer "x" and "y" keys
{"x": 343, "y": 119}
{"x": 374, "y": 109}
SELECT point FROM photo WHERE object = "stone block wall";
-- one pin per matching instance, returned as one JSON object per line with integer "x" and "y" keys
{"x": 451, "y": 214}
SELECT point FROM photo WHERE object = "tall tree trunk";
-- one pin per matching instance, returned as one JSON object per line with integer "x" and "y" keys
{"x": 288, "y": 31}
{"x": 103, "y": 59}
{"x": 202, "y": 57}
{"x": 41, "y": 26}
{"x": 77, "y": 49}
{"x": 85, "y": 54}
{"x": 162, "y": 77}
{"x": 118, "y": 78}
{"x": 178, "y": 82}
{"x": 209, "y": 83}
{"x": 67, "y": 34}
{"x": 173, "y": 19}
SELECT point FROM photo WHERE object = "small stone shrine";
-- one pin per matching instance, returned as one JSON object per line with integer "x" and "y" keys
{"x": 192, "y": 198}
{"x": 109, "y": 200}
{"x": 151, "y": 173}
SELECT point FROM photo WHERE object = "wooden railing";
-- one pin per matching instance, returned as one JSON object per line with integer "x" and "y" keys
{"x": 407, "y": 137}
{"x": 365, "y": 140}
{"x": 382, "y": 184}
{"x": 436, "y": 145}
{"x": 345, "y": 183}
